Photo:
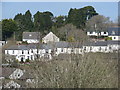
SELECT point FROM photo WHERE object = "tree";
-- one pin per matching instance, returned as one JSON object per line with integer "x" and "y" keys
{"x": 43, "y": 21}
{"x": 24, "y": 23}
{"x": 93, "y": 70}
{"x": 78, "y": 17}
{"x": 98, "y": 23}
{"x": 9, "y": 26}
{"x": 59, "y": 21}
{"x": 70, "y": 33}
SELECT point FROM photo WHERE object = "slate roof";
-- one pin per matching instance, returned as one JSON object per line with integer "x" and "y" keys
{"x": 115, "y": 31}
{"x": 31, "y": 35}
{"x": 61, "y": 44}
{"x": 98, "y": 43}
{"x": 21, "y": 47}
{"x": 6, "y": 72}
{"x": 102, "y": 43}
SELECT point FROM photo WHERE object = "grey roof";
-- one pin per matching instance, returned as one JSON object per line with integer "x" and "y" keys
{"x": 98, "y": 43}
{"x": 102, "y": 43}
{"x": 115, "y": 31}
{"x": 22, "y": 47}
{"x": 7, "y": 71}
{"x": 113, "y": 42}
{"x": 61, "y": 44}
{"x": 31, "y": 35}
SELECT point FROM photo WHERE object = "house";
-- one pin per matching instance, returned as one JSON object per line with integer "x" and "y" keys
{"x": 50, "y": 37}
{"x": 101, "y": 46}
{"x": 114, "y": 33}
{"x": 15, "y": 77}
{"x": 99, "y": 33}
{"x": 22, "y": 52}
{"x": 2, "y": 43}
{"x": 31, "y": 37}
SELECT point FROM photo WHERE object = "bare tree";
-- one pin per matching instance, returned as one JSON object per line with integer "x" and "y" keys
{"x": 99, "y": 23}
{"x": 93, "y": 70}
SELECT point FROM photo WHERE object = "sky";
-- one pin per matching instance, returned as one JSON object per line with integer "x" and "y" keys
{"x": 10, "y": 9}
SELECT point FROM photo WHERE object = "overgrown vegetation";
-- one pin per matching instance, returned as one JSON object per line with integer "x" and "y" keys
{"x": 93, "y": 70}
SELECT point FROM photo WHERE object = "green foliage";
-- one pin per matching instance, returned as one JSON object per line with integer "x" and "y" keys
{"x": 27, "y": 60}
{"x": 24, "y": 42}
{"x": 59, "y": 21}
{"x": 78, "y": 17}
{"x": 8, "y": 27}
{"x": 43, "y": 21}
{"x": 108, "y": 38}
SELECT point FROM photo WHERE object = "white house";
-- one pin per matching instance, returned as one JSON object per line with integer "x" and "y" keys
{"x": 114, "y": 33}
{"x": 50, "y": 37}
{"x": 22, "y": 52}
{"x": 15, "y": 77}
{"x": 2, "y": 43}
{"x": 31, "y": 37}
{"x": 94, "y": 33}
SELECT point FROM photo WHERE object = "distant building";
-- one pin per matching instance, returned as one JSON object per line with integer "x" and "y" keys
{"x": 50, "y": 37}
{"x": 31, "y": 37}
{"x": 94, "y": 33}
{"x": 15, "y": 77}
{"x": 114, "y": 33}
{"x": 2, "y": 43}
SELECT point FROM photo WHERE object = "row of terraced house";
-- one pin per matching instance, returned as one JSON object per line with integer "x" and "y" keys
{"x": 52, "y": 46}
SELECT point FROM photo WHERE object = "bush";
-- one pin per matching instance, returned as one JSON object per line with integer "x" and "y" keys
{"x": 27, "y": 60}
{"x": 24, "y": 42}
{"x": 108, "y": 38}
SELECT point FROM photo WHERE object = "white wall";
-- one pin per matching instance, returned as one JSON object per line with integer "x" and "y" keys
{"x": 115, "y": 38}
{"x": 96, "y": 34}
{"x": 31, "y": 40}
{"x": 92, "y": 34}
{"x": 103, "y": 34}
{"x": 16, "y": 74}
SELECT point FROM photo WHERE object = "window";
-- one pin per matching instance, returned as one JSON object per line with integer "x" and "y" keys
{"x": 46, "y": 51}
{"x": 7, "y": 52}
{"x": 105, "y": 32}
{"x": 90, "y": 32}
{"x": 22, "y": 52}
{"x": 84, "y": 48}
{"x": 37, "y": 51}
{"x": 110, "y": 48}
{"x": 31, "y": 57}
{"x": 31, "y": 51}
{"x": 28, "y": 51}
{"x": 72, "y": 50}
{"x": 13, "y": 51}
{"x": 90, "y": 48}
{"x": 61, "y": 50}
